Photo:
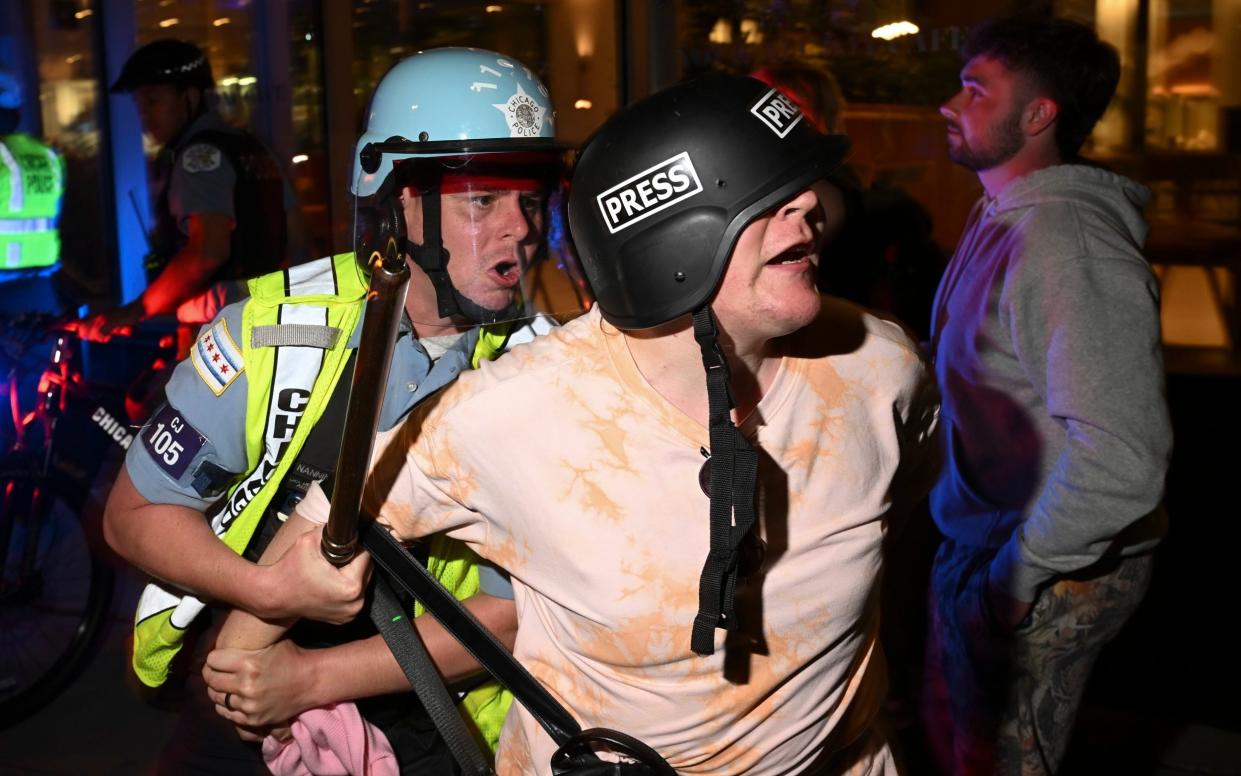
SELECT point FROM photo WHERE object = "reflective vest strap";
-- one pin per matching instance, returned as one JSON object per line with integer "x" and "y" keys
{"x": 26, "y": 225}
{"x": 491, "y": 341}
{"x": 17, "y": 198}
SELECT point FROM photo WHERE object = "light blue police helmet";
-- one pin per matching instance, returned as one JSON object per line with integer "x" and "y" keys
{"x": 10, "y": 91}
{"x": 452, "y": 102}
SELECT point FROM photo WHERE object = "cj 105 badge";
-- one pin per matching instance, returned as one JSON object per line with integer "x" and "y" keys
{"x": 654, "y": 189}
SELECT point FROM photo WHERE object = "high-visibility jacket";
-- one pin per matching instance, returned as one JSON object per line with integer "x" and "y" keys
{"x": 298, "y": 367}
{"x": 32, "y": 182}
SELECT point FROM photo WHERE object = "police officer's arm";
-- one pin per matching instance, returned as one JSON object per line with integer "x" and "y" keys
{"x": 189, "y": 273}
{"x": 175, "y": 544}
{"x": 188, "y": 455}
{"x": 191, "y": 270}
{"x": 273, "y": 680}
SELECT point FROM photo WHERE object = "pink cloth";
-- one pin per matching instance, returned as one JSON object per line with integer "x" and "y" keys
{"x": 331, "y": 741}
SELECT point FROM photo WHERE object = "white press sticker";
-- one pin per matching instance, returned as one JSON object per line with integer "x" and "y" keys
{"x": 777, "y": 112}
{"x": 650, "y": 191}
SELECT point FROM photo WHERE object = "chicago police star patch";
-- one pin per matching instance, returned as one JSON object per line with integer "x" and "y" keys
{"x": 200, "y": 157}
{"x": 524, "y": 116}
{"x": 216, "y": 358}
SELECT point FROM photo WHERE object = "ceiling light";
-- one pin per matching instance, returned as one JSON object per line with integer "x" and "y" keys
{"x": 894, "y": 30}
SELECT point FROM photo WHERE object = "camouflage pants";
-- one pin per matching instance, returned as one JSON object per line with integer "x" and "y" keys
{"x": 1004, "y": 703}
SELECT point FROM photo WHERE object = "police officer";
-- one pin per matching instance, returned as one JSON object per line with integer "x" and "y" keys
{"x": 254, "y": 415}
{"x": 32, "y": 182}
{"x": 222, "y": 204}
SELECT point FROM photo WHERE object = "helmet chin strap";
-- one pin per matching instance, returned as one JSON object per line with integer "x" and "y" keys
{"x": 433, "y": 260}
{"x": 432, "y": 257}
{"x": 734, "y": 479}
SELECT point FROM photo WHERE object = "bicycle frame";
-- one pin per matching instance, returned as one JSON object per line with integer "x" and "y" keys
{"x": 55, "y": 589}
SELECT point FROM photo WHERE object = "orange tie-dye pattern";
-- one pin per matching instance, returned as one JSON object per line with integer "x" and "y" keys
{"x": 595, "y": 505}
{"x": 592, "y": 498}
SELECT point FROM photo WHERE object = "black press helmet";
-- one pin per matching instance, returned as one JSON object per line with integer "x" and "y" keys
{"x": 662, "y": 190}
{"x": 658, "y": 199}
{"x": 167, "y": 61}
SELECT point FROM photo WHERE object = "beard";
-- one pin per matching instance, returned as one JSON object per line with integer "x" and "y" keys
{"x": 1000, "y": 143}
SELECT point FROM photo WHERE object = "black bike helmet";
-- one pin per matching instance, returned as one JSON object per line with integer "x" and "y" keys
{"x": 166, "y": 61}
{"x": 662, "y": 190}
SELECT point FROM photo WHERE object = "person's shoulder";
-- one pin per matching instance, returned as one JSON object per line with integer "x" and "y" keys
{"x": 203, "y": 149}
{"x": 541, "y": 346}
{"x": 216, "y": 360}
{"x": 844, "y": 329}
{"x": 201, "y": 156}
{"x": 523, "y": 369}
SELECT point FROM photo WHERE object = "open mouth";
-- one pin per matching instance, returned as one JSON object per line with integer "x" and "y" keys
{"x": 506, "y": 274}
{"x": 793, "y": 256}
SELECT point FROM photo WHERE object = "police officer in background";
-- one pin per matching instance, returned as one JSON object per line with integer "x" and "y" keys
{"x": 32, "y": 182}
{"x": 223, "y": 207}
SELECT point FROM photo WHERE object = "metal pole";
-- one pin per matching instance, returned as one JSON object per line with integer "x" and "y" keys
{"x": 384, "y": 303}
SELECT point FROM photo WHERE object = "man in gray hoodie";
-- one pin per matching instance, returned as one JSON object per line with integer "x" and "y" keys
{"x": 1046, "y": 339}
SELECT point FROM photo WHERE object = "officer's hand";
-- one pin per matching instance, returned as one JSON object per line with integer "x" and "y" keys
{"x": 263, "y": 688}
{"x": 308, "y": 586}
{"x": 104, "y": 326}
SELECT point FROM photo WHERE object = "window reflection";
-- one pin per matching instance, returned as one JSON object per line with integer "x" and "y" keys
{"x": 222, "y": 29}
{"x": 67, "y": 104}
{"x": 1182, "y": 109}
{"x": 307, "y": 163}
{"x": 385, "y": 32}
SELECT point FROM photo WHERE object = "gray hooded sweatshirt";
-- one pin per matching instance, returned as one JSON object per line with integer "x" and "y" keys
{"x": 1047, "y": 350}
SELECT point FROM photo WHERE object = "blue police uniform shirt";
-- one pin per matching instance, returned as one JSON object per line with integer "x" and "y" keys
{"x": 219, "y": 422}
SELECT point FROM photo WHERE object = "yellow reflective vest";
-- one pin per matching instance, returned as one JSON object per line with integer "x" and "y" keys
{"x": 324, "y": 297}
{"x": 32, "y": 182}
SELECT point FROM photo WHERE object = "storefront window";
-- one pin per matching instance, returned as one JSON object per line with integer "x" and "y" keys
{"x": 876, "y": 51}
{"x": 385, "y": 31}
{"x": 1183, "y": 96}
{"x": 223, "y": 29}
{"x": 307, "y": 162}
{"x": 68, "y": 105}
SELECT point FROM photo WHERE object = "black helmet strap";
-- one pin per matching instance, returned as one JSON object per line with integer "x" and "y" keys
{"x": 431, "y": 256}
{"x": 734, "y": 478}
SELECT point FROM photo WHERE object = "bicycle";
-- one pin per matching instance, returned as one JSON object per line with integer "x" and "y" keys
{"x": 56, "y": 576}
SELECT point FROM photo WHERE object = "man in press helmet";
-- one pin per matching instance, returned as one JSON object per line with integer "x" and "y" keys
{"x": 695, "y": 559}
{"x": 32, "y": 182}
{"x": 458, "y": 185}
{"x": 222, "y": 204}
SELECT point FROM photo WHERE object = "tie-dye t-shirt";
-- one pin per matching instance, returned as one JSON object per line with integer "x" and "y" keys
{"x": 561, "y": 464}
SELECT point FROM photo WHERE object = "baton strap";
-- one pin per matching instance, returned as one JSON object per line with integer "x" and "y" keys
{"x": 409, "y": 574}
{"x": 402, "y": 638}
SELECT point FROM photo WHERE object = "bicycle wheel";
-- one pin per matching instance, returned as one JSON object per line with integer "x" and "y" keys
{"x": 52, "y": 602}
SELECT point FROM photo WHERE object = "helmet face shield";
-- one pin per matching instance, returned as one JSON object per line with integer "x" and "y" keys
{"x": 474, "y": 228}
